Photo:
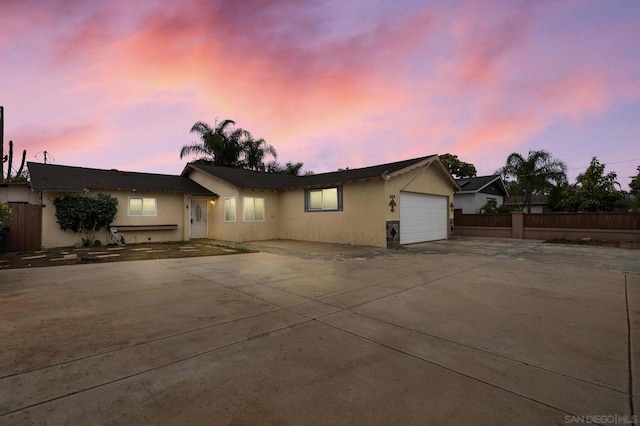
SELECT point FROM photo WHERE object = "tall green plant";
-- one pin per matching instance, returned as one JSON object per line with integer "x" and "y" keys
{"x": 594, "y": 191}
{"x": 85, "y": 214}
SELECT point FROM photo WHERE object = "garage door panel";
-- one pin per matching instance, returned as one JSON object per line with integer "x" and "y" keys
{"x": 422, "y": 217}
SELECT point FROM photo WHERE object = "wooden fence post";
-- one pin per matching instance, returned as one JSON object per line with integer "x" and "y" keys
{"x": 517, "y": 225}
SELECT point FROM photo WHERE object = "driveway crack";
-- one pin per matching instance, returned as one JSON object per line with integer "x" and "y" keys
{"x": 629, "y": 349}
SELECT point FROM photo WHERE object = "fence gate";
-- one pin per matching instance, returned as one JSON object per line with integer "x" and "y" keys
{"x": 25, "y": 232}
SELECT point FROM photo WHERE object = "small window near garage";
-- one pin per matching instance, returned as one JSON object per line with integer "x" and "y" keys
{"x": 230, "y": 209}
{"x": 142, "y": 206}
{"x": 253, "y": 209}
{"x": 326, "y": 199}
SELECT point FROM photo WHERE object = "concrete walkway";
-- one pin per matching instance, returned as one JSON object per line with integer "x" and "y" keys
{"x": 441, "y": 333}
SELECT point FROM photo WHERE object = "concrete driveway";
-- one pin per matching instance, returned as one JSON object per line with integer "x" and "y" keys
{"x": 454, "y": 332}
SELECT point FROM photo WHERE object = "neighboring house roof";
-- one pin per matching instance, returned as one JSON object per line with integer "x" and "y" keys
{"x": 248, "y": 179}
{"x": 53, "y": 177}
{"x": 492, "y": 184}
{"x": 519, "y": 200}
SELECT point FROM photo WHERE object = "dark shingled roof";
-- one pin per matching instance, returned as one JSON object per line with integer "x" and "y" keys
{"x": 51, "y": 177}
{"x": 476, "y": 183}
{"x": 243, "y": 178}
{"x": 248, "y": 179}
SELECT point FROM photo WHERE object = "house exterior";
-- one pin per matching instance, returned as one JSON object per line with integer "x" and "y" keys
{"x": 475, "y": 192}
{"x": 151, "y": 207}
{"x": 382, "y": 206}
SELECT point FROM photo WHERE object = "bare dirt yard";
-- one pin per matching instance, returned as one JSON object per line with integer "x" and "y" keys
{"x": 75, "y": 255}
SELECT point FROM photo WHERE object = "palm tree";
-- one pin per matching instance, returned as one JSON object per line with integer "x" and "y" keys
{"x": 254, "y": 152}
{"x": 290, "y": 168}
{"x": 220, "y": 145}
{"x": 293, "y": 168}
{"x": 535, "y": 174}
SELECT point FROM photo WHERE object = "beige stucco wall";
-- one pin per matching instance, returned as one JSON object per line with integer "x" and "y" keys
{"x": 17, "y": 193}
{"x": 256, "y": 231}
{"x": 431, "y": 180}
{"x": 360, "y": 223}
{"x": 171, "y": 209}
{"x": 239, "y": 230}
{"x": 218, "y": 228}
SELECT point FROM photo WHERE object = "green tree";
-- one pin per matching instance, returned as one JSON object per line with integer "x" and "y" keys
{"x": 219, "y": 145}
{"x": 536, "y": 174}
{"x": 491, "y": 206}
{"x": 634, "y": 191}
{"x": 85, "y": 214}
{"x": 458, "y": 168}
{"x": 594, "y": 191}
{"x": 634, "y": 185}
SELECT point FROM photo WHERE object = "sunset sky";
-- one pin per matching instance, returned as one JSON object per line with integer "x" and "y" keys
{"x": 330, "y": 83}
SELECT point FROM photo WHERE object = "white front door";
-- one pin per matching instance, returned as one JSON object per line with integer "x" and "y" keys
{"x": 199, "y": 227}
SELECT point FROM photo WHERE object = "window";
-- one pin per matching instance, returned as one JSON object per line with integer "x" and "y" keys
{"x": 142, "y": 207}
{"x": 326, "y": 199}
{"x": 253, "y": 209}
{"x": 230, "y": 209}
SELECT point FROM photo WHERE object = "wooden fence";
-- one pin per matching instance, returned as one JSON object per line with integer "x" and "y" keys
{"x": 490, "y": 219}
{"x": 25, "y": 232}
{"x": 583, "y": 220}
{"x": 568, "y": 226}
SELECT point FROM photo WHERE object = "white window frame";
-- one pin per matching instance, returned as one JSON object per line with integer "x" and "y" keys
{"x": 244, "y": 210}
{"x": 235, "y": 209}
{"x": 155, "y": 202}
{"x": 307, "y": 199}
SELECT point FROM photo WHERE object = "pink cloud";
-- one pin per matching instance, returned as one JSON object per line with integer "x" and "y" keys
{"x": 333, "y": 85}
{"x": 291, "y": 92}
{"x": 62, "y": 141}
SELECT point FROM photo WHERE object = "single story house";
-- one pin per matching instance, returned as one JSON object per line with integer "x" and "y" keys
{"x": 151, "y": 207}
{"x": 476, "y": 191}
{"x": 383, "y": 206}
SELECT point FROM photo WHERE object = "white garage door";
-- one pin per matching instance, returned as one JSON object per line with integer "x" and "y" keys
{"x": 422, "y": 217}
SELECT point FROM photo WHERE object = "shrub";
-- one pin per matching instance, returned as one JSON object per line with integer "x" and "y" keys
{"x": 491, "y": 206}
{"x": 85, "y": 214}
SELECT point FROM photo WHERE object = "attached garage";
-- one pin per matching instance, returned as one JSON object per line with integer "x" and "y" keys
{"x": 422, "y": 217}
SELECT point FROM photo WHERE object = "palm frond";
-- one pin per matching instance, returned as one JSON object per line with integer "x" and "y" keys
{"x": 201, "y": 128}
{"x": 194, "y": 148}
